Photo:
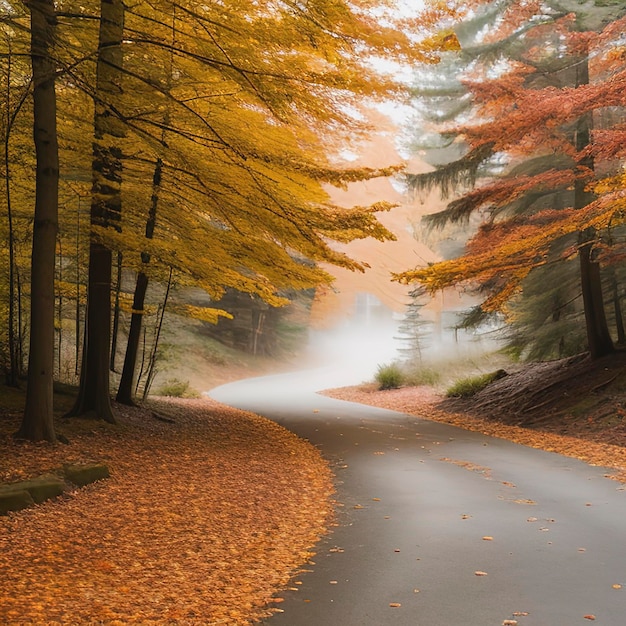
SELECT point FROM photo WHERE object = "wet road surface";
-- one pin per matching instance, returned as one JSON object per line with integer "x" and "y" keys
{"x": 425, "y": 506}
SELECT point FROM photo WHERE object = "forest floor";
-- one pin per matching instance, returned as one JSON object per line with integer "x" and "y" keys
{"x": 209, "y": 512}
{"x": 573, "y": 406}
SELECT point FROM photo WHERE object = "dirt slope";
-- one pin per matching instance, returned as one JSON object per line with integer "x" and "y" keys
{"x": 576, "y": 396}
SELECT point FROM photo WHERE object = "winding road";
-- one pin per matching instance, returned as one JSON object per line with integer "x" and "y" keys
{"x": 438, "y": 526}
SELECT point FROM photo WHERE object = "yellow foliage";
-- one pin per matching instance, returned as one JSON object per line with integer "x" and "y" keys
{"x": 204, "y": 314}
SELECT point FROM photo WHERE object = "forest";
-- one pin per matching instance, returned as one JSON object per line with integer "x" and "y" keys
{"x": 196, "y": 150}
{"x": 189, "y": 146}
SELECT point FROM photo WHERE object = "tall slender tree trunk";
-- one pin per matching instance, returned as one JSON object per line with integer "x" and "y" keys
{"x": 116, "y": 311}
{"x": 598, "y": 337}
{"x": 37, "y": 423}
{"x": 12, "y": 373}
{"x": 151, "y": 372}
{"x": 126, "y": 386}
{"x": 106, "y": 205}
{"x": 15, "y": 369}
{"x": 77, "y": 311}
{"x": 617, "y": 309}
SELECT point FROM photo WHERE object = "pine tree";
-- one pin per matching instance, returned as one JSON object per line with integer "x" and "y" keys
{"x": 539, "y": 114}
{"x": 412, "y": 330}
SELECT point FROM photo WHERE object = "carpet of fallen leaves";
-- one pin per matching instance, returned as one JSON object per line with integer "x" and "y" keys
{"x": 207, "y": 515}
{"x": 560, "y": 433}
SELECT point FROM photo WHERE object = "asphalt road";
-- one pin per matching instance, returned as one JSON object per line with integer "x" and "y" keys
{"x": 425, "y": 506}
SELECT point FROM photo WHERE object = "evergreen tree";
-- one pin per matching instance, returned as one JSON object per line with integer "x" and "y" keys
{"x": 412, "y": 330}
{"x": 538, "y": 113}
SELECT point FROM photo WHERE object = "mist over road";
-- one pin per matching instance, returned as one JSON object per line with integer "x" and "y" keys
{"x": 425, "y": 506}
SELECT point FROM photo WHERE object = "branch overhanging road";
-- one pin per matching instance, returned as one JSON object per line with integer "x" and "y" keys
{"x": 428, "y": 509}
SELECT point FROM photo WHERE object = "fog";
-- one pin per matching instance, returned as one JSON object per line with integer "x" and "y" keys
{"x": 353, "y": 349}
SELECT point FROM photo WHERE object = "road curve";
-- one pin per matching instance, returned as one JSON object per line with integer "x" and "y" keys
{"x": 443, "y": 527}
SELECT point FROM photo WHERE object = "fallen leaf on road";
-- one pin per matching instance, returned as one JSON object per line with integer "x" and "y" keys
{"x": 487, "y": 538}
{"x": 617, "y": 586}
{"x": 479, "y": 573}
{"x": 591, "y": 617}
{"x": 509, "y": 622}
{"x": 394, "y": 605}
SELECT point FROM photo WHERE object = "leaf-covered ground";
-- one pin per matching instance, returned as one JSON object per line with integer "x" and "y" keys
{"x": 204, "y": 519}
{"x": 571, "y": 406}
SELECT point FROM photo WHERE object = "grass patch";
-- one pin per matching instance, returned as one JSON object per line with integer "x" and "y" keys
{"x": 389, "y": 376}
{"x": 175, "y": 388}
{"x": 467, "y": 387}
{"x": 420, "y": 376}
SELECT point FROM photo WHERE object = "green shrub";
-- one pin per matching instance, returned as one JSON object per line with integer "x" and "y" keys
{"x": 389, "y": 376}
{"x": 177, "y": 389}
{"x": 467, "y": 387}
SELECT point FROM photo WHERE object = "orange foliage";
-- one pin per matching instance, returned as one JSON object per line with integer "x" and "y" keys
{"x": 528, "y": 115}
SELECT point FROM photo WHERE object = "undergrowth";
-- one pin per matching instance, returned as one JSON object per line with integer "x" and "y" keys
{"x": 175, "y": 388}
{"x": 389, "y": 376}
{"x": 470, "y": 386}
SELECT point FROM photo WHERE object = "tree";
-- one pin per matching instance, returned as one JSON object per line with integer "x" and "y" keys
{"x": 126, "y": 387}
{"x": 411, "y": 331}
{"x": 37, "y": 423}
{"x": 539, "y": 113}
{"x": 106, "y": 202}
{"x": 15, "y": 98}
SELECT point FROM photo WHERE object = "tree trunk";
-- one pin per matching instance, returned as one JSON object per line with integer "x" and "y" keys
{"x": 93, "y": 394}
{"x": 77, "y": 312}
{"x": 106, "y": 205}
{"x": 14, "y": 338}
{"x": 617, "y": 309}
{"x": 116, "y": 311}
{"x": 12, "y": 372}
{"x": 125, "y": 390}
{"x": 151, "y": 373}
{"x": 598, "y": 337}
{"x": 37, "y": 423}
